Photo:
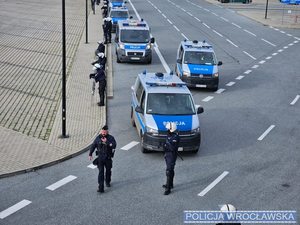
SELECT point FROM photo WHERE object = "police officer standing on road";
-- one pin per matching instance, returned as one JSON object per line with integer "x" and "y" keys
{"x": 105, "y": 145}
{"x": 100, "y": 78}
{"x": 170, "y": 149}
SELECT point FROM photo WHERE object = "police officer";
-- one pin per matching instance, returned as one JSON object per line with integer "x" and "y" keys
{"x": 105, "y": 10}
{"x": 101, "y": 60}
{"x": 228, "y": 208}
{"x": 100, "y": 78}
{"x": 105, "y": 145}
{"x": 170, "y": 150}
{"x": 109, "y": 28}
{"x": 93, "y": 2}
{"x": 100, "y": 48}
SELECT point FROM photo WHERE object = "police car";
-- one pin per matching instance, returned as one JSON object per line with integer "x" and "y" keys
{"x": 197, "y": 64}
{"x": 133, "y": 42}
{"x": 159, "y": 98}
{"x": 117, "y": 3}
{"x": 116, "y": 14}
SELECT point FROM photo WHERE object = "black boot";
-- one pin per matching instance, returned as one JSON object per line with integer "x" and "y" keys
{"x": 172, "y": 173}
{"x": 100, "y": 189}
{"x": 168, "y": 184}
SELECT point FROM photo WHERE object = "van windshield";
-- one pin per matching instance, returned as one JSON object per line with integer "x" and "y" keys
{"x": 135, "y": 36}
{"x": 200, "y": 58}
{"x": 119, "y": 14}
{"x": 170, "y": 104}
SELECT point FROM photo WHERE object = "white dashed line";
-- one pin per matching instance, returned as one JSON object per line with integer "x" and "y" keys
{"x": 207, "y": 10}
{"x": 61, "y": 182}
{"x": 239, "y": 77}
{"x": 234, "y": 24}
{"x": 250, "y": 32}
{"x": 289, "y": 35}
{"x": 207, "y": 99}
{"x": 266, "y": 133}
{"x": 155, "y": 7}
{"x": 183, "y": 10}
{"x": 296, "y": 42}
{"x": 230, "y": 84}
{"x": 224, "y": 19}
{"x": 255, "y": 66}
{"x": 275, "y": 53}
{"x": 295, "y": 100}
{"x": 220, "y": 90}
{"x": 291, "y": 44}
{"x": 214, "y": 183}
{"x": 270, "y": 43}
{"x": 219, "y": 6}
{"x": 190, "y": 14}
{"x": 159, "y": 10}
{"x": 182, "y": 34}
{"x": 249, "y": 55}
{"x": 206, "y": 25}
{"x": 197, "y": 18}
{"x": 130, "y": 145}
{"x": 269, "y": 57}
{"x": 280, "y": 50}
{"x": 285, "y": 47}
{"x": 170, "y": 21}
{"x": 215, "y": 14}
{"x": 232, "y": 43}
{"x": 282, "y": 32}
{"x": 247, "y": 71}
{"x": 164, "y": 16}
{"x": 276, "y": 29}
{"x": 262, "y": 62}
{"x": 218, "y": 33}
{"x": 297, "y": 38}
{"x": 16, "y": 207}
{"x": 176, "y": 28}
{"x": 92, "y": 166}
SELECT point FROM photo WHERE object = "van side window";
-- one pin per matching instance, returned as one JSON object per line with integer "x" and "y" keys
{"x": 143, "y": 100}
{"x": 139, "y": 91}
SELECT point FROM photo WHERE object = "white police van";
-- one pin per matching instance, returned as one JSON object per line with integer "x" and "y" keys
{"x": 197, "y": 65}
{"x": 117, "y": 3}
{"x": 133, "y": 41}
{"x": 116, "y": 14}
{"x": 158, "y": 98}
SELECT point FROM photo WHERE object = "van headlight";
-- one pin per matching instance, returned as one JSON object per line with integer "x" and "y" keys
{"x": 186, "y": 73}
{"x": 215, "y": 75}
{"x": 152, "y": 131}
{"x": 195, "y": 131}
{"x": 148, "y": 46}
{"x": 121, "y": 46}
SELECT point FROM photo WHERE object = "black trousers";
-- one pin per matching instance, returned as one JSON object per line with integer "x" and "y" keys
{"x": 107, "y": 165}
{"x": 102, "y": 86}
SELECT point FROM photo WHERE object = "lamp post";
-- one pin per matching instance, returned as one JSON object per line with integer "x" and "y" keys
{"x": 64, "y": 135}
{"x": 86, "y": 21}
{"x": 266, "y": 13}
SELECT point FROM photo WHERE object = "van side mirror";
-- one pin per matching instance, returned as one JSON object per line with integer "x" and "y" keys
{"x": 139, "y": 109}
{"x": 200, "y": 110}
{"x": 152, "y": 40}
{"x": 178, "y": 61}
{"x": 220, "y": 63}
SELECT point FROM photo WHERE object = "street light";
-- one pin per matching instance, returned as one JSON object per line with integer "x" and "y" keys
{"x": 266, "y": 13}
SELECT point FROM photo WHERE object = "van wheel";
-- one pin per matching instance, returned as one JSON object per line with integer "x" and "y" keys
{"x": 214, "y": 88}
{"x": 131, "y": 118}
{"x": 118, "y": 60}
{"x": 143, "y": 150}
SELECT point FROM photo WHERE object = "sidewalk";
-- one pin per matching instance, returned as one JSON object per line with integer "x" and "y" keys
{"x": 21, "y": 153}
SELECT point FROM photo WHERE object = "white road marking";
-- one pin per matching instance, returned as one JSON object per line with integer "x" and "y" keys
{"x": 276, "y": 29}
{"x": 92, "y": 166}
{"x": 190, "y": 14}
{"x": 232, "y": 43}
{"x": 280, "y": 50}
{"x": 266, "y": 133}
{"x": 218, "y": 33}
{"x": 291, "y": 44}
{"x": 250, "y": 32}
{"x": 208, "y": 98}
{"x": 219, "y": 6}
{"x": 295, "y": 100}
{"x": 169, "y": 21}
{"x": 215, "y": 14}
{"x": 130, "y": 145}
{"x": 197, "y": 18}
{"x": 249, "y": 55}
{"x": 61, "y": 182}
{"x": 234, "y": 24}
{"x": 224, "y": 19}
{"x": 7, "y": 212}
{"x": 176, "y": 28}
{"x": 239, "y": 77}
{"x": 220, "y": 90}
{"x": 214, "y": 183}
{"x": 207, "y": 10}
{"x": 159, "y": 10}
{"x": 247, "y": 71}
{"x": 282, "y": 32}
{"x": 163, "y": 61}
{"x": 296, "y": 42}
{"x": 285, "y": 47}
{"x": 270, "y": 43}
{"x": 289, "y": 35}
{"x": 164, "y": 16}
{"x": 206, "y": 25}
{"x": 255, "y": 66}
{"x": 297, "y": 38}
{"x": 262, "y": 62}
{"x": 275, "y": 53}
{"x": 182, "y": 34}
{"x": 183, "y": 9}
{"x": 230, "y": 84}
{"x": 269, "y": 57}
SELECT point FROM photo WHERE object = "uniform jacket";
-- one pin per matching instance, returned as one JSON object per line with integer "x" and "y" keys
{"x": 104, "y": 150}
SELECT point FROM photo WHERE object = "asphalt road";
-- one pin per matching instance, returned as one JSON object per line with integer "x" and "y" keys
{"x": 258, "y": 93}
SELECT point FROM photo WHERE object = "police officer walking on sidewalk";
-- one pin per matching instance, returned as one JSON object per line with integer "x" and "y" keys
{"x": 105, "y": 145}
{"x": 170, "y": 149}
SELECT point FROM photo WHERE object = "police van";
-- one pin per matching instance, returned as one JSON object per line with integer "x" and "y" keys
{"x": 117, "y": 3}
{"x": 133, "y": 41}
{"x": 197, "y": 64}
{"x": 159, "y": 98}
{"x": 116, "y": 14}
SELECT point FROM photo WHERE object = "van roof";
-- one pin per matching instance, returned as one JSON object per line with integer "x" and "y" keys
{"x": 195, "y": 45}
{"x": 130, "y": 24}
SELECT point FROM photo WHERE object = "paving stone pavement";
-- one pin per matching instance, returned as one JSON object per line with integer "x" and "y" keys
{"x": 33, "y": 101}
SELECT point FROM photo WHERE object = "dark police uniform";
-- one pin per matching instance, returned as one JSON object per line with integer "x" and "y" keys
{"x": 105, "y": 152}
{"x": 101, "y": 61}
{"x": 101, "y": 79}
{"x": 100, "y": 48}
{"x": 170, "y": 149}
